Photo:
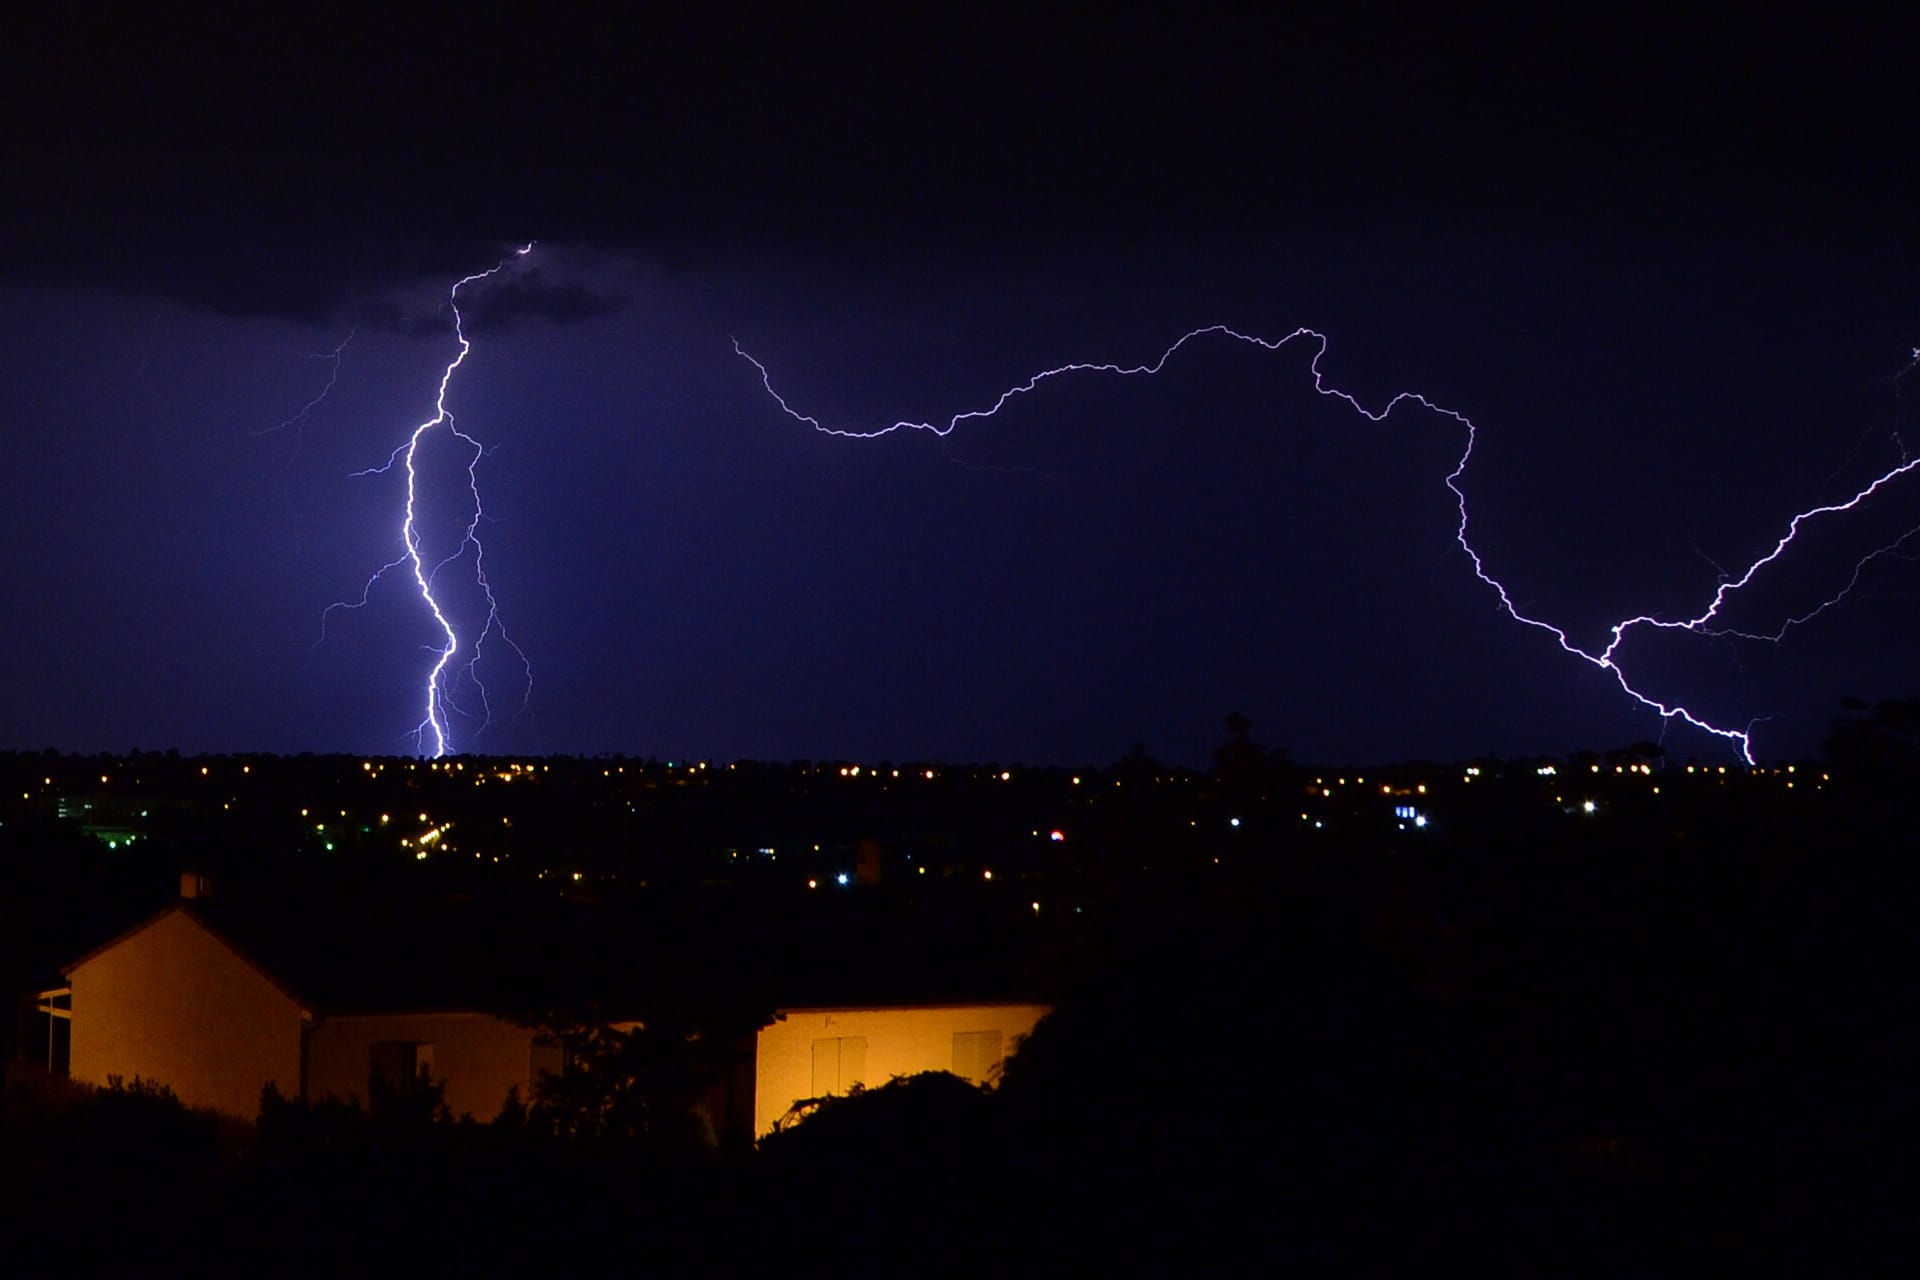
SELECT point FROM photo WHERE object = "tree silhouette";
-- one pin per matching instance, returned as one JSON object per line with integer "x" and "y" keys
{"x": 1881, "y": 740}
{"x": 1240, "y": 762}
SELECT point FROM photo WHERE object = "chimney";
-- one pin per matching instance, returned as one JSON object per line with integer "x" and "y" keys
{"x": 195, "y": 884}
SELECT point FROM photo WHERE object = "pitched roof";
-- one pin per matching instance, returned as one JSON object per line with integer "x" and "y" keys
{"x": 188, "y": 911}
{"x": 704, "y": 957}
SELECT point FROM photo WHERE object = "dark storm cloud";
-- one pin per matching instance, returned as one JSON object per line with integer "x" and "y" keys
{"x": 255, "y": 168}
{"x": 534, "y": 297}
{"x": 497, "y": 307}
{"x": 1591, "y": 231}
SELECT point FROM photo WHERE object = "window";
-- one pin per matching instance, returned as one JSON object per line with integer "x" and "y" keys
{"x": 398, "y": 1067}
{"x": 838, "y": 1064}
{"x": 545, "y": 1060}
{"x": 976, "y": 1055}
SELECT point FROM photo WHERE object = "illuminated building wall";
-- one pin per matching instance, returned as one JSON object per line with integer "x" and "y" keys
{"x": 171, "y": 1002}
{"x": 810, "y": 1053}
{"x": 476, "y": 1055}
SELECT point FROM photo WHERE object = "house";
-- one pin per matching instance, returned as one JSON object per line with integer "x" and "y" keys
{"x": 806, "y": 1054}
{"x": 336, "y": 1012}
{"x": 175, "y": 1000}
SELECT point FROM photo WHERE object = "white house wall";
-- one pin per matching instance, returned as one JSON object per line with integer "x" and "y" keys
{"x": 476, "y": 1055}
{"x": 173, "y": 1004}
{"x": 871, "y": 1046}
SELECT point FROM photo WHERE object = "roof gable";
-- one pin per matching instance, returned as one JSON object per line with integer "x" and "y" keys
{"x": 187, "y": 913}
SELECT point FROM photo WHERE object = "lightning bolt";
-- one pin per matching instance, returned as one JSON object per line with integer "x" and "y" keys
{"x": 297, "y": 423}
{"x": 332, "y": 358}
{"x": 437, "y": 696}
{"x": 1606, "y": 659}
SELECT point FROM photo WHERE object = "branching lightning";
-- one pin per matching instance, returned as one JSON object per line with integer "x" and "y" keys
{"x": 1705, "y": 623}
{"x": 297, "y": 423}
{"x": 434, "y": 731}
{"x": 332, "y": 358}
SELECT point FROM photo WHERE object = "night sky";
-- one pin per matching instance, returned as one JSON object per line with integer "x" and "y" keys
{"x": 1669, "y": 267}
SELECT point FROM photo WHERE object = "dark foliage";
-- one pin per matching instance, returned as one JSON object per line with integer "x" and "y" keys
{"x": 119, "y": 1181}
{"x": 1881, "y": 741}
{"x": 910, "y": 1165}
{"x": 652, "y": 1089}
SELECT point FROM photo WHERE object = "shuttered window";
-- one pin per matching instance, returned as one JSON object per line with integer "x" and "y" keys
{"x": 544, "y": 1060}
{"x": 976, "y": 1055}
{"x": 839, "y": 1064}
{"x": 398, "y": 1067}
